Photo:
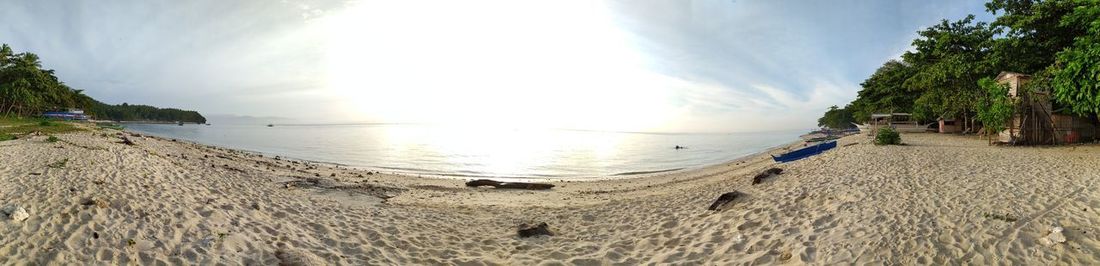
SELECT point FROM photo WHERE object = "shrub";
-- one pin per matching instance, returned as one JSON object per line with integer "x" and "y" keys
{"x": 52, "y": 139}
{"x": 887, "y": 136}
{"x": 46, "y": 123}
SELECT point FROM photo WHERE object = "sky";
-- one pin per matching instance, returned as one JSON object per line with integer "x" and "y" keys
{"x": 646, "y": 65}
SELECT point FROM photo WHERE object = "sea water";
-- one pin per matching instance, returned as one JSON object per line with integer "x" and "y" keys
{"x": 481, "y": 152}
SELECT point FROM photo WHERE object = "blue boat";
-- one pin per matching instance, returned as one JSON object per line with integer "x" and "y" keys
{"x": 804, "y": 152}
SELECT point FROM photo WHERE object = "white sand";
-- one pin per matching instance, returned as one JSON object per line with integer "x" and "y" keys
{"x": 927, "y": 203}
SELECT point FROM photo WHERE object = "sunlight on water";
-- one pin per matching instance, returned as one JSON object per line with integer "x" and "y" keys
{"x": 498, "y": 152}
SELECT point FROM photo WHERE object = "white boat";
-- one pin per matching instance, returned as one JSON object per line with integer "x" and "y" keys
{"x": 900, "y": 122}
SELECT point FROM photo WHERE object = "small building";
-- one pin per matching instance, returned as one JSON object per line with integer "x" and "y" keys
{"x": 1074, "y": 129}
{"x": 949, "y": 125}
{"x": 70, "y": 114}
{"x": 1035, "y": 122}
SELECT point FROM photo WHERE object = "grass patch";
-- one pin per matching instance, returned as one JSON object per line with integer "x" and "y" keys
{"x": 59, "y": 164}
{"x": 52, "y": 139}
{"x": 5, "y": 136}
{"x": 10, "y": 120}
{"x": 12, "y": 125}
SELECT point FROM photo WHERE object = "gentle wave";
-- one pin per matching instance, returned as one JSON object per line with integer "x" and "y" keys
{"x": 482, "y": 152}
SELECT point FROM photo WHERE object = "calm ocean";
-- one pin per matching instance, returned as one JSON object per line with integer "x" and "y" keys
{"x": 481, "y": 152}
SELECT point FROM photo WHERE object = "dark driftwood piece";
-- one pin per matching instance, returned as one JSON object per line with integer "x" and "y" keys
{"x": 515, "y": 185}
{"x": 723, "y": 199}
{"x": 526, "y": 230}
{"x": 126, "y": 141}
{"x": 766, "y": 174}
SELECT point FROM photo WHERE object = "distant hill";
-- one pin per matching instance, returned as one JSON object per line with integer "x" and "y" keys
{"x": 127, "y": 112}
{"x": 26, "y": 89}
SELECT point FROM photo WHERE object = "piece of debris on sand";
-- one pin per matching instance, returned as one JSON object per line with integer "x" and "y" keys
{"x": 325, "y": 185}
{"x": 1054, "y": 237}
{"x": 723, "y": 200}
{"x": 98, "y": 202}
{"x": 511, "y": 185}
{"x": 766, "y": 174}
{"x": 527, "y": 230}
{"x": 14, "y": 213}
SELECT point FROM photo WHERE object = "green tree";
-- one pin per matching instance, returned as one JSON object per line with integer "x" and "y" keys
{"x": 27, "y": 90}
{"x": 996, "y": 107}
{"x": 884, "y": 92}
{"x": 1033, "y": 31}
{"x": 836, "y": 118}
{"x": 950, "y": 58}
{"x": 1076, "y": 73}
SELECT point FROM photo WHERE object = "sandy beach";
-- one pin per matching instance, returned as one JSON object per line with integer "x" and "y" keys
{"x": 940, "y": 199}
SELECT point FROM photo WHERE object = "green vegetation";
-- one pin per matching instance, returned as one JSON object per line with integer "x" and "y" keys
{"x": 26, "y": 89}
{"x": 6, "y": 136}
{"x": 128, "y": 112}
{"x": 887, "y": 136}
{"x": 836, "y": 118}
{"x": 52, "y": 139}
{"x": 11, "y": 125}
{"x": 1077, "y": 69}
{"x": 995, "y": 108}
{"x": 1055, "y": 41}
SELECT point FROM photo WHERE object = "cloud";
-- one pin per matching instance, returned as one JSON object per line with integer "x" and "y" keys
{"x": 702, "y": 65}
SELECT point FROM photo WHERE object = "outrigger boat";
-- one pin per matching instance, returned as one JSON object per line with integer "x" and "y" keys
{"x": 901, "y": 122}
{"x": 804, "y": 152}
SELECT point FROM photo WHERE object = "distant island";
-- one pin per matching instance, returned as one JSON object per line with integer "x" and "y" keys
{"x": 26, "y": 89}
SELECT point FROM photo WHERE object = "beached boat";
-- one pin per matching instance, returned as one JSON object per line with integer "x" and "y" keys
{"x": 900, "y": 122}
{"x": 804, "y": 152}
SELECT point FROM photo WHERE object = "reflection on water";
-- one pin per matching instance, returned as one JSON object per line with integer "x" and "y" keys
{"x": 500, "y": 152}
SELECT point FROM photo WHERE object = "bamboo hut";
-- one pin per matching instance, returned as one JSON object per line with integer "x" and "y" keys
{"x": 1034, "y": 121}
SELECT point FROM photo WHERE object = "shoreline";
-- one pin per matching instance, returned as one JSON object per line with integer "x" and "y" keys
{"x": 940, "y": 199}
{"x": 418, "y": 173}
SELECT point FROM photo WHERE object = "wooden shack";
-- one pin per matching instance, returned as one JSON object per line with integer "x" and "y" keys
{"x": 1035, "y": 123}
{"x": 949, "y": 125}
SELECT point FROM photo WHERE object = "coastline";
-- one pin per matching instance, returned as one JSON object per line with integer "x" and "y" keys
{"x": 460, "y": 174}
{"x": 179, "y": 202}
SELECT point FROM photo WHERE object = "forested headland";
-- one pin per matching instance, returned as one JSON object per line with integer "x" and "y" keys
{"x": 949, "y": 70}
{"x": 27, "y": 89}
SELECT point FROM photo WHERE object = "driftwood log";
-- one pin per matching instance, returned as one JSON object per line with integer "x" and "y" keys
{"x": 723, "y": 199}
{"x": 526, "y": 230}
{"x": 126, "y": 141}
{"x": 513, "y": 185}
{"x": 766, "y": 174}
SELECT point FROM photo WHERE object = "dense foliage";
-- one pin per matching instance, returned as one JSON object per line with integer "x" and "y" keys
{"x": 881, "y": 92}
{"x": 1076, "y": 71}
{"x": 1056, "y": 41}
{"x": 127, "y": 112}
{"x": 836, "y": 118}
{"x": 887, "y": 136}
{"x": 995, "y": 108}
{"x": 26, "y": 89}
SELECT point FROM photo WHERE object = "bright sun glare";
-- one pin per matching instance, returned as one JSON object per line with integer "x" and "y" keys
{"x": 551, "y": 64}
